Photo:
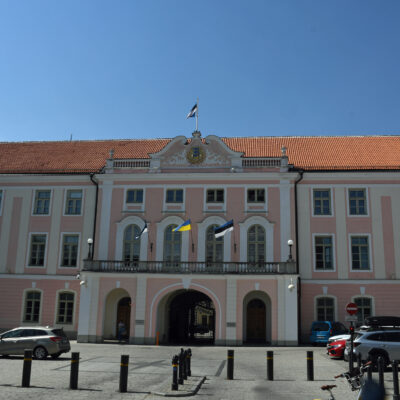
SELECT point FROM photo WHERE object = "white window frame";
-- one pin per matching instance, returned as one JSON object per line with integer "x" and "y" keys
{"x": 30, "y": 247}
{"x": 215, "y": 189}
{"x": 331, "y": 235}
{"x": 368, "y": 235}
{"x": 353, "y": 299}
{"x": 65, "y": 201}
{"x": 313, "y": 188}
{"x": 25, "y": 293}
{"x": 58, "y": 292}
{"x": 173, "y": 207}
{"x": 62, "y": 250}
{"x": 34, "y": 202}
{"x": 366, "y": 201}
{"x": 248, "y": 204}
{"x": 319, "y": 296}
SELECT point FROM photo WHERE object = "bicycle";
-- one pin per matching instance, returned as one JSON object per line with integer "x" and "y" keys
{"x": 367, "y": 389}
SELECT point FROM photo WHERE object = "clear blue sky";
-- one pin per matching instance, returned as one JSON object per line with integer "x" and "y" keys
{"x": 133, "y": 69}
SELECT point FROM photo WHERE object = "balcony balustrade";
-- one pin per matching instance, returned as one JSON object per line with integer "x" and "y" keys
{"x": 169, "y": 267}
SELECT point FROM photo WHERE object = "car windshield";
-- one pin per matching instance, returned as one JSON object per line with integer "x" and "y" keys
{"x": 320, "y": 326}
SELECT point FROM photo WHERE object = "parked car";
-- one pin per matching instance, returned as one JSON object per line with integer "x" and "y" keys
{"x": 378, "y": 342}
{"x": 336, "y": 349}
{"x": 43, "y": 341}
{"x": 343, "y": 336}
{"x": 321, "y": 331}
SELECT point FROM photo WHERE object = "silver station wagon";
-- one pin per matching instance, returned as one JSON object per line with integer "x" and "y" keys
{"x": 43, "y": 341}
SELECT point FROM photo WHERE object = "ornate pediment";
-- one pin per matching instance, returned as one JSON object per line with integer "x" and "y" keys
{"x": 196, "y": 153}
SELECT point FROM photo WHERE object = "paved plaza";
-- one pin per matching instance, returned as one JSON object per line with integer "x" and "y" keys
{"x": 150, "y": 374}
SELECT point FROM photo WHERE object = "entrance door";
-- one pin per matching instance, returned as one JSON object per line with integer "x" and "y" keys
{"x": 256, "y": 321}
{"x": 124, "y": 315}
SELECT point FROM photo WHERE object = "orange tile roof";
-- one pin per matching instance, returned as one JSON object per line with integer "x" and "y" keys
{"x": 308, "y": 153}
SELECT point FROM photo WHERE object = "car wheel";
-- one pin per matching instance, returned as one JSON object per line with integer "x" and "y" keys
{"x": 40, "y": 353}
{"x": 55, "y": 355}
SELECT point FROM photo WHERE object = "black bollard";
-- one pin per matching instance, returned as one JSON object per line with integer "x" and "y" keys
{"x": 184, "y": 365}
{"x": 175, "y": 360}
{"x": 369, "y": 372}
{"x": 180, "y": 372}
{"x": 230, "y": 364}
{"x": 123, "y": 374}
{"x": 395, "y": 369}
{"x": 359, "y": 361}
{"x": 381, "y": 370}
{"x": 26, "y": 371}
{"x": 270, "y": 365}
{"x": 73, "y": 377}
{"x": 310, "y": 366}
{"x": 189, "y": 357}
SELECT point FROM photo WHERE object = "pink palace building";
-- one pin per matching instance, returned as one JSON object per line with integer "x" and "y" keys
{"x": 88, "y": 239}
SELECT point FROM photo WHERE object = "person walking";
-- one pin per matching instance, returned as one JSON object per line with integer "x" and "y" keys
{"x": 121, "y": 330}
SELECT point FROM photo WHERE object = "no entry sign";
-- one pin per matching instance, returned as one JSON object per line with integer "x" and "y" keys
{"x": 351, "y": 308}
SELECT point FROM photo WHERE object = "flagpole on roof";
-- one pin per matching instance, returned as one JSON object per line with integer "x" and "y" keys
{"x": 197, "y": 115}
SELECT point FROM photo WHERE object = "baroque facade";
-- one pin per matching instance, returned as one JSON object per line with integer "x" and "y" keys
{"x": 87, "y": 236}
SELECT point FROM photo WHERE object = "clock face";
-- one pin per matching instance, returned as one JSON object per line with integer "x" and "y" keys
{"x": 195, "y": 155}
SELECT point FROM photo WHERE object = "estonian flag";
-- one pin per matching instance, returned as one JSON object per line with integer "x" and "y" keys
{"x": 144, "y": 230}
{"x": 192, "y": 112}
{"x": 183, "y": 227}
{"x": 221, "y": 230}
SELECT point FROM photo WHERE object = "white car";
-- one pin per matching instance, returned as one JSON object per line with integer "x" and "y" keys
{"x": 343, "y": 336}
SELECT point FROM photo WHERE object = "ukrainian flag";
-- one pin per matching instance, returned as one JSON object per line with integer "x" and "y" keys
{"x": 183, "y": 227}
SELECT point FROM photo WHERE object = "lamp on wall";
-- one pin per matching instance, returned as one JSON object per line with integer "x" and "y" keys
{"x": 290, "y": 244}
{"x": 291, "y": 285}
{"x": 90, "y": 244}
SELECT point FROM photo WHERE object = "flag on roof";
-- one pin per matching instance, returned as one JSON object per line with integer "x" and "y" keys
{"x": 192, "y": 112}
{"x": 144, "y": 230}
{"x": 221, "y": 230}
{"x": 183, "y": 227}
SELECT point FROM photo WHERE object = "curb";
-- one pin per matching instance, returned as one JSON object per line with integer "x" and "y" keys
{"x": 185, "y": 394}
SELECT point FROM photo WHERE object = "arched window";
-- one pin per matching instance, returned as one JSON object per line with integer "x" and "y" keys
{"x": 214, "y": 247}
{"x": 131, "y": 249}
{"x": 256, "y": 244}
{"x": 172, "y": 246}
{"x": 364, "y": 305}
{"x": 325, "y": 309}
{"x": 32, "y": 306}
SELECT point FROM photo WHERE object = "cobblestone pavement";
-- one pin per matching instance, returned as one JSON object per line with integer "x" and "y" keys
{"x": 150, "y": 374}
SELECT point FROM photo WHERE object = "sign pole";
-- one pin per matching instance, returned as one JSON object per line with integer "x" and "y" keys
{"x": 351, "y": 309}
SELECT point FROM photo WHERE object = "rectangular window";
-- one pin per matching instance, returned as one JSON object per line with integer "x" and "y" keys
{"x": 42, "y": 202}
{"x": 360, "y": 253}
{"x": 174, "y": 196}
{"x": 215, "y": 195}
{"x": 73, "y": 202}
{"x": 70, "y": 251}
{"x": 323, "y": 253}
{"x": 325, "y": 309}
{"x": 32, "y": 307}
{"x": 134, "y": 196}
{"x": 364, "y": 306}
{"x": 65, "y": 308}
{"x": 322, "y": 202}
{"x": 38, "y": 247}
{"x": 357, "y": 202}
{"x": 256, "y": 195}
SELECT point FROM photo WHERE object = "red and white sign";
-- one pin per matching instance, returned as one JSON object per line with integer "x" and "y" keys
{"x": 351, "y": 308}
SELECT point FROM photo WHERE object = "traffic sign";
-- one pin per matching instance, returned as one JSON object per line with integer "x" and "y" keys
{"x": 351, "y": 308}
{"x": 351, "y": 318}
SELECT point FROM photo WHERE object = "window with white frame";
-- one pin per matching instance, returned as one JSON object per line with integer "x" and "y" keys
{"x": 37, "y": 250}
{"x": 322, "y": 202}
{"x": 42, "y": 202}
{"x": 323, "y": 253}
{"x": 215, "y": 195}
{"x": 134, "y": 196}
{"x": 73, "y": 203}
{"x": 256, "y": 244}
{"x": 70, "y": 250}
{"x": 32, "y": 306}
{"x": 364, "y": 308}
{"x": 174, "y": 196}
{"x": 357, "y": 202}
{"x": 214, "y": 246}
{"x": 360, "y": 253}
{"x": 65, "y": 308}
{"x": 172, "y": 246}
{"x": 131, "y": 246}
{"x": 325, "y": 309}
{"x": 256, "y": 195}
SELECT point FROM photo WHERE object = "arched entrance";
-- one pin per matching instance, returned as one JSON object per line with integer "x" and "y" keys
{"x": 124, "y": 315}
{"x": 191, "y": 318}
{"x": 256, "y": 323}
